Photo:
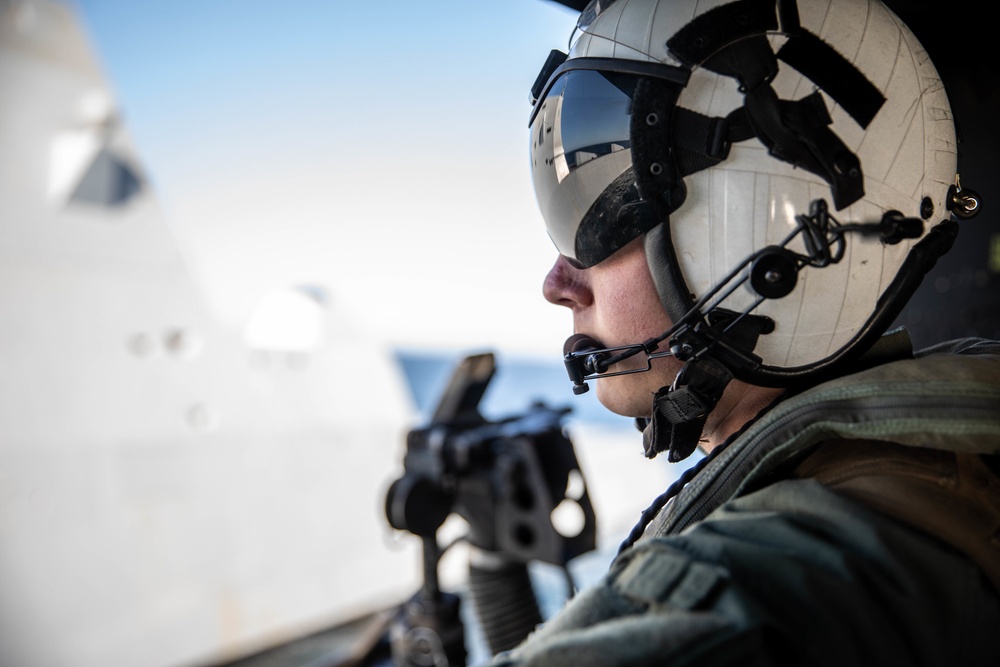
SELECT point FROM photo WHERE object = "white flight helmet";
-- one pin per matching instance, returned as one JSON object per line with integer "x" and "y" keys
{"x": 781, "y": 158}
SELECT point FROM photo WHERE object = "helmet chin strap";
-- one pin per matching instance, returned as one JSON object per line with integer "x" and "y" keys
{"x": 680, "y": 410}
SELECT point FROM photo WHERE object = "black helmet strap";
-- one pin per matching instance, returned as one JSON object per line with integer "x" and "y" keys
{"x": 680, "y": 411}
{"x": 796, "y": 132}
{"x": 731, "y": 40}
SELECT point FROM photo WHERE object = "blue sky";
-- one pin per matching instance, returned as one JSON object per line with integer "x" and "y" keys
{"x": 395, "y": 69}
{"x": 378, "y": 149}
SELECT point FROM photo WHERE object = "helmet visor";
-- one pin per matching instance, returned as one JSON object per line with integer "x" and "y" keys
{"x": 581, "y": 159}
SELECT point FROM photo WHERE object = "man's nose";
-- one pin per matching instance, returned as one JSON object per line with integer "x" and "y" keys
{"x": 566, "y": 285}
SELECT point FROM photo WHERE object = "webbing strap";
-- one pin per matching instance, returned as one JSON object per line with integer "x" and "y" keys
{"x": 731, "y": 40}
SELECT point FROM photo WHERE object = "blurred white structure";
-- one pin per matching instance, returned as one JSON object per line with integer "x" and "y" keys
{"x": 169, "y": 493}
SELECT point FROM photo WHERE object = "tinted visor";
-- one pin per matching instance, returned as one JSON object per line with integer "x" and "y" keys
{"x": 581, "y": 158}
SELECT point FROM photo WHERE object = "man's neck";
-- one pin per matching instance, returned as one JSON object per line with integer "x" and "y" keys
{"x": 740, "y": 403}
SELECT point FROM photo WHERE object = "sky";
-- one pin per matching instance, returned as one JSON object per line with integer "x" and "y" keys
{"x": 377, "y": 150}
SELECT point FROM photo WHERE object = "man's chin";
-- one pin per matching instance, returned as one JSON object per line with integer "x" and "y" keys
{"x": 614, "y": 396}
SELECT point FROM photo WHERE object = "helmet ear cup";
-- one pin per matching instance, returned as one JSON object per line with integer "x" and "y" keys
{"x": 674, "y": 293}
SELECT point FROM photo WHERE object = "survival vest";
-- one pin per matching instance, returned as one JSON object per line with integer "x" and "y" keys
{"x": 916, "y": 439}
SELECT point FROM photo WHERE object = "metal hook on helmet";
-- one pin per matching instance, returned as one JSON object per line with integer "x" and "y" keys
{"x": 962, "y": 202}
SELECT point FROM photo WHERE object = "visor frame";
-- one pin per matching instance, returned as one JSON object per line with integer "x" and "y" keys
{"x": 640, "y": 68}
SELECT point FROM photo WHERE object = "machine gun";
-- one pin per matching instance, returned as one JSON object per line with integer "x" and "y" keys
{"x": 506, "y": 478}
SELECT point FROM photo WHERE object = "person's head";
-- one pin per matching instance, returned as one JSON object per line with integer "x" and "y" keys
{"x": 755, "y": 183}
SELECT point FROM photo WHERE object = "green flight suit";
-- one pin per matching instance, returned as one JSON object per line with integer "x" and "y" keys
{"x": 855, "y": 523}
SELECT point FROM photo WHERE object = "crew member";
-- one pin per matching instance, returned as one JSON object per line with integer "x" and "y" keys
{"x": 743, "y": 196}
